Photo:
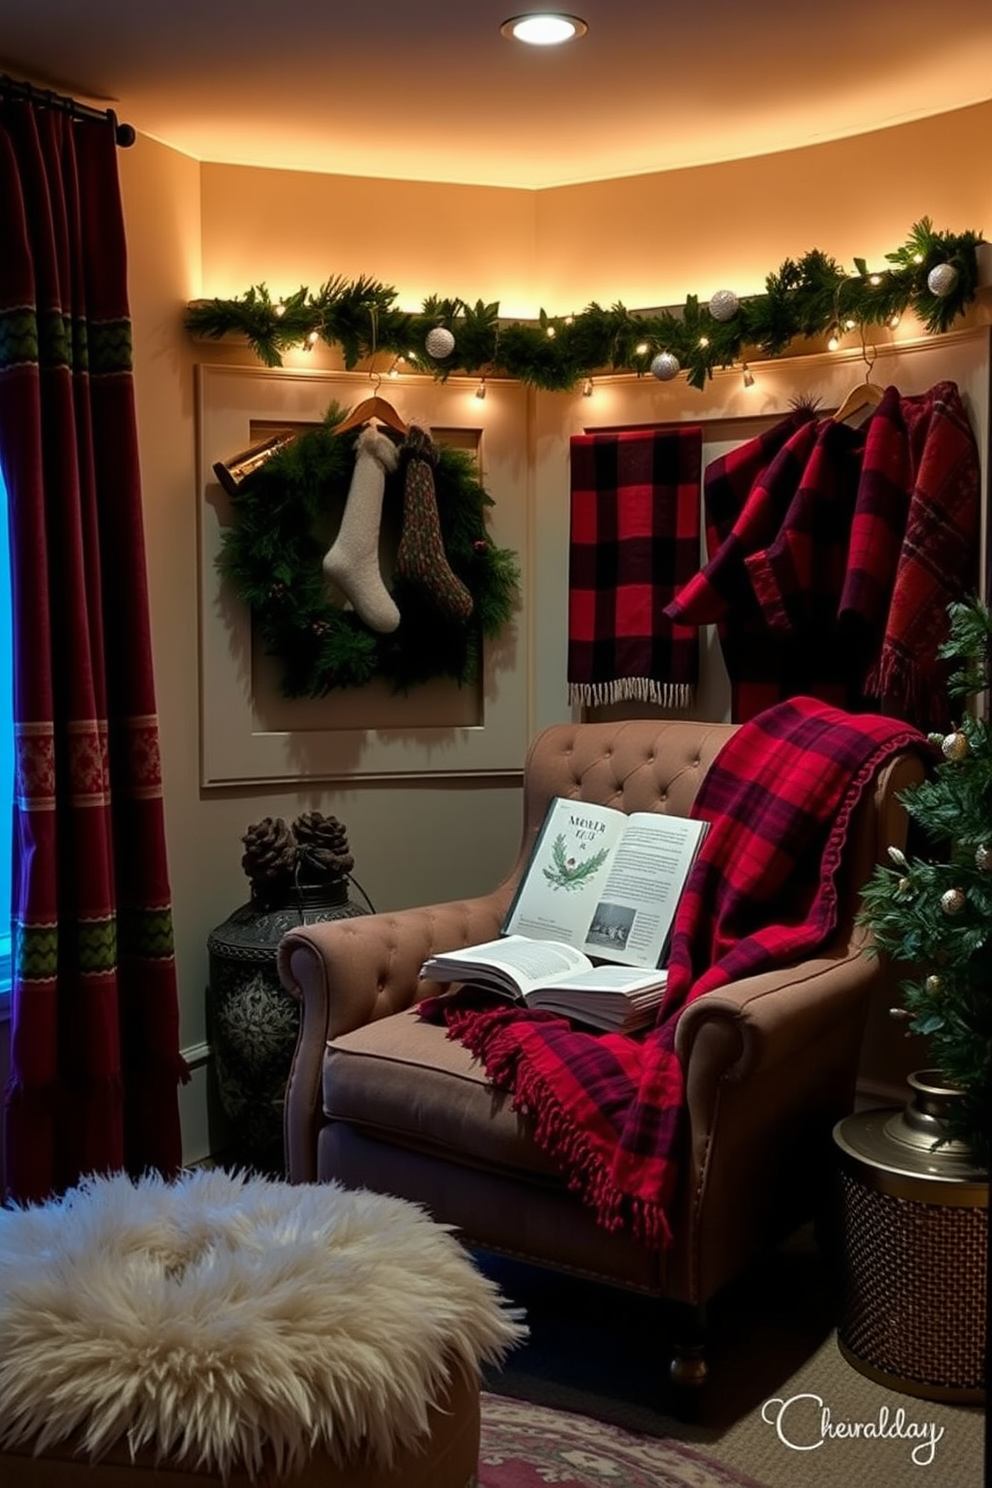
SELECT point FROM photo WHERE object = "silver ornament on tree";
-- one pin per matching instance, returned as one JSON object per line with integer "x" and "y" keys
{"x": 942, "y": 280}
{"x": 724, "y": 304}
{"x": 439, "y": 342}
{"x": 665, "y": 366}
{"x": 983, "y": 858}
{"x": 953, "y": 901}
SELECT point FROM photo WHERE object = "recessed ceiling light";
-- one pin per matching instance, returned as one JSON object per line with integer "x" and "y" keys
{"x": 543, "y": 28}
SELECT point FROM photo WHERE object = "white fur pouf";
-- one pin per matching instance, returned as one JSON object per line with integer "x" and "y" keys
{"x": 225, "y": 1320}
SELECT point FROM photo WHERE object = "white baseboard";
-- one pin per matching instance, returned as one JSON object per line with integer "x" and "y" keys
{"x": 194, "y": 1104}
{"x": 873, "y": 1093}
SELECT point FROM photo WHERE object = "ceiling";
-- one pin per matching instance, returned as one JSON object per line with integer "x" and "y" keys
{"x": 432, "y": 91}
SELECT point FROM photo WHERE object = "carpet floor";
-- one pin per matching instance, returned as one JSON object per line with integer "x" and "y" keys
{"x": 603, "y": 1354}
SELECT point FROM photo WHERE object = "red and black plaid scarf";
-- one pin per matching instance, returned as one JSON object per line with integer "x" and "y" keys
{"x": 763, "y": 893}
{"x": 634, "y": 542}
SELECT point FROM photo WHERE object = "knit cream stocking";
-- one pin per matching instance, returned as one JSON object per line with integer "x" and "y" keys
{"x": 352, "y": 561}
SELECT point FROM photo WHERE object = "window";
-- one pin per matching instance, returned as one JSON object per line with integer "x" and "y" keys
{"x": 6, "y": 749}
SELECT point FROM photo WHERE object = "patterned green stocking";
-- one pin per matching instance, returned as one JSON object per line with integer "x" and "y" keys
{"x": 421, "y": 558}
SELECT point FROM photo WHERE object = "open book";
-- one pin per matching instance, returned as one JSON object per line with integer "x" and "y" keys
{"x": 600, "y": 886}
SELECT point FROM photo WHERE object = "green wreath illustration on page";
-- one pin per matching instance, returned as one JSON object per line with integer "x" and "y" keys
{"x": 572, "y": 873}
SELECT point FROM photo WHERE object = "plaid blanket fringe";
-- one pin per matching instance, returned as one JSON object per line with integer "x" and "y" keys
{"x": 488, "y": 1035}
{"x": 631, "y": 690}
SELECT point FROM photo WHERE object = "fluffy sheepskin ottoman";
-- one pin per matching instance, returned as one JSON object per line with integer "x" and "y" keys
{"x": 231, "y": 1328}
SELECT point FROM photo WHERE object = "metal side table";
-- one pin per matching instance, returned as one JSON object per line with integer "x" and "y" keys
{"x": 914, "y": 1250}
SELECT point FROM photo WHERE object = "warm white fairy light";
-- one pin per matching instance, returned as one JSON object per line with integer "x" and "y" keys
{"x": 587, "y": 388}
{"x": 875, "y": 279}
{"x": 704, "y": 340}
{"x": 834, "y": 342}
{"x": 894, "y": 321}
{"x": 279, "y": 310}
{"x": 747, "y": 375}
{"x": 551, "y": 333}
{"x": 312, "y": 340}
{"x": 480, "y": 391}
{"x": 641, "y": 348}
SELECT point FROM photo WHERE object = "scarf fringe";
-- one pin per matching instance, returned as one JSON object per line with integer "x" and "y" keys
{"x": 632, "y": 690}
{"x": 905, "y": 690}
{"x": 486, "y": 1036}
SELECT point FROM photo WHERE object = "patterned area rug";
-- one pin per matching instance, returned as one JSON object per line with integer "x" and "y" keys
{"x": 530, "y": 1446}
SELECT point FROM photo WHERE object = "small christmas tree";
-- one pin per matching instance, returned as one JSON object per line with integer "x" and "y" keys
{"x": 933, "y": 910}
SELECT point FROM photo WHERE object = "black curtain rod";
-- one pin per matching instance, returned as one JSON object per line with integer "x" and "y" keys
{"x": 125, "y": 134}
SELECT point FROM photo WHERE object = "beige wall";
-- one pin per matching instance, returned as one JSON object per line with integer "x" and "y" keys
{"x": 215, "y": 230}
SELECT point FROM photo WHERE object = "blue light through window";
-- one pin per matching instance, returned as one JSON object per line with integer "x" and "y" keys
{"x": 6, "y": 746}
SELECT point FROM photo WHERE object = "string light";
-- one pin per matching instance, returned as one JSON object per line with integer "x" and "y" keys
{"x": 894, "y": 321}
{"x": 587, "y": 388}
{"x": 747, "y": 375}
{"x": 279, "y": 310}
{"x": 312, "y": 340}
{"x": 480, "y": 391}
{"x": 704, "y": 340}
{"x": 834, "y": 342}
{"x": 641, "y": 349}
{"x": 875, "y": 279}
{"x": 551, "y": 333}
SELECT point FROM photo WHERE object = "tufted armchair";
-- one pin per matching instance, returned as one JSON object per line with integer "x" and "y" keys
{"x": 378, "y": 1098}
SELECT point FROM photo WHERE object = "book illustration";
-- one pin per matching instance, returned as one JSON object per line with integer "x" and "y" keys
{"x": 610, "y": 928}
{"x": 568, "y": 872}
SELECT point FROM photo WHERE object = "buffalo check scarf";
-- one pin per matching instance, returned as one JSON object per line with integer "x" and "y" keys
{"x": 763, "y": 893}
{"x": 633, "y": 543}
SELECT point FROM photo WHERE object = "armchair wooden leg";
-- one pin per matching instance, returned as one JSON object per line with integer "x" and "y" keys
{"x": 687, "y": 1371}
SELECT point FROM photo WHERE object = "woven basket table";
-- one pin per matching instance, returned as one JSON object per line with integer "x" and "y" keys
{"x": 915, "y": 1258}
{"x": 233, "y": 1329}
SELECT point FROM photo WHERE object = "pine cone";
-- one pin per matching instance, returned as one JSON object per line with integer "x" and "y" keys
{"x": 323, "y": 845}
{"x": 270, "y": 853}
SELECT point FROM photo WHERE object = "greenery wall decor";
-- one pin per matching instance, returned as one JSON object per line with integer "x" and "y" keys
{"x": 933, "y": 274}
{"x": 286, "y": 512}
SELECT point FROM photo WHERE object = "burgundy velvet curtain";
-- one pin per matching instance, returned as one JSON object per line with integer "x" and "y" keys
{"x": 94, "y": 1036}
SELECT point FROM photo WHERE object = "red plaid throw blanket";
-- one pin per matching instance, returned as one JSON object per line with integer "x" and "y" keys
{"x": 634, "y": 541}
{"x": 608, "y": 1107}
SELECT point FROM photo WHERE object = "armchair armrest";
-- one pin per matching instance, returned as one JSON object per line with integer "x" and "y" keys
{"x": 767, "y": 1061}
{"x": 346, "y": 973}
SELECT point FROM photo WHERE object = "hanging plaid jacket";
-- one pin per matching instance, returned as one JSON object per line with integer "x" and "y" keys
{"x": 848, "y": 544}
{"x": 762, "y": 894}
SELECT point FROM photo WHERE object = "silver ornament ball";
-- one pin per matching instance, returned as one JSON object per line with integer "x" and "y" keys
{"x": 953, "y": 901}
{"x": 440, "y": 342}
{"x": 942, "y": 279}
{"x": 665, "y": 366}
{"x": 724, "y": 304}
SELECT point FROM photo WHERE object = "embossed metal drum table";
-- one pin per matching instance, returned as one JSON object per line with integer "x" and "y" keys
{"x": 914, "y": 1252}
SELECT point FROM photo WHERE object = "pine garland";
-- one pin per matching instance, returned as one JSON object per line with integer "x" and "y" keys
{"x": 286, "y": 514}
{"x": 804, "y": 299}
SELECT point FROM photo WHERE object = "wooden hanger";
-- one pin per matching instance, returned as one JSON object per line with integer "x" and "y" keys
{"x": 864, "y": 395}
{"x": 370, "y": 408}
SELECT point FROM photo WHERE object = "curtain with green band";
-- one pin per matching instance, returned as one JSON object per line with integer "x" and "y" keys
{"x": 95, "y": 1062}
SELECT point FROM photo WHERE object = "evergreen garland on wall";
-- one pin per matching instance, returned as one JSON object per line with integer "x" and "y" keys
{"x": 286, "y": 513}
{"x": 933, "y": 274}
